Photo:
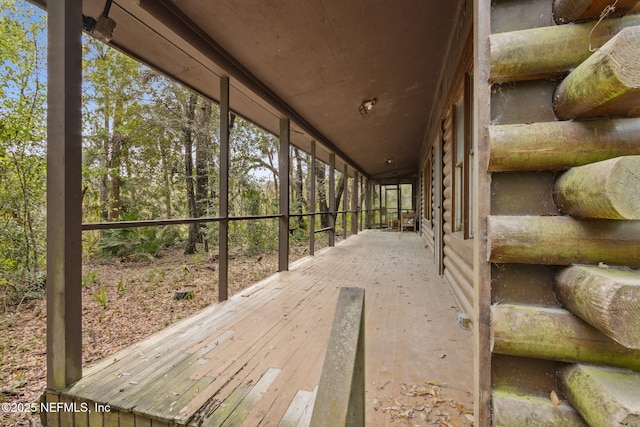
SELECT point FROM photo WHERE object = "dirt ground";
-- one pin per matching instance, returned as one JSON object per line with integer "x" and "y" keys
{"x": 123, "y": 301}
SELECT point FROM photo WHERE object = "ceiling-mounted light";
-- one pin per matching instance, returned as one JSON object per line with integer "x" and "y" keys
{"x": 389, "y": 160}
{"x": 102, "y": 28}
{"x": 366, "y": 106}
{"x": 369, "y": 104}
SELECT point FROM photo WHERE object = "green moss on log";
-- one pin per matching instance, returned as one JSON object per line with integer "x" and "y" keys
{"x": 608, "y": 299}
{"x": 607, "y": 190}
{"x": 603, "y": 396}
{"x": 576, "y": 10}
{"x": 561, "y": 145}
{"x": 555, "y": 334}
{"x": 549, "y": 51}
{"x": 608, "y": 83}
{"x": 562, "y": 240}
{"x": 513, "y": 409}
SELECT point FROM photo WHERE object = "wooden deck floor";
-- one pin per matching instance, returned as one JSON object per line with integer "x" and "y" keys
{"x": 255, "y": 360}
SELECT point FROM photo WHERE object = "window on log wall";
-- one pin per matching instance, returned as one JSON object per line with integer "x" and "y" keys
{"x": 463, "y": 160}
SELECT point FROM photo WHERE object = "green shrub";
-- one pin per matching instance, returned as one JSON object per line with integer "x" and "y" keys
{"x": 141, "y": 242}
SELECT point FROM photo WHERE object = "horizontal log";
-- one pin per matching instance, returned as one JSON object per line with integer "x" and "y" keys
{"x": 603, "y": 396}
{"x": 608, "y": 83}
{"x": 463, "y": 247}
{"x": 565, "y": 11}
{"x": 562, "y": 240}
{"x": 608, "y": 299}
{"x": 609, "y": 189}
{"x": 461, "y": 279}
{"x": 555, "y": 334}
{"x": 513, "y": 409}
{"x": 462, "y": 270}
{"x": 549, "y": 51}
{"x": 464, "y": 305}
{"x": 561, "y": 145}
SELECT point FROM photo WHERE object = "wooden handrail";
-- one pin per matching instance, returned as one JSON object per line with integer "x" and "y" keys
{"x": 340, "y": 398}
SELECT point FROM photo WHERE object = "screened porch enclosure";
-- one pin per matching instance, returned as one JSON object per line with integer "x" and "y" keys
{"x": 255, "y": 357}
{"x": 390, "y": 202}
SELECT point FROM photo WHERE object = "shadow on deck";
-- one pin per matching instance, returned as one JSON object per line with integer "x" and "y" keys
{"x": 256, "y": 359}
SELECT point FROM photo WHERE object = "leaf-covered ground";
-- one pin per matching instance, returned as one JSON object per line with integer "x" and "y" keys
{"x": 138, "y": 300}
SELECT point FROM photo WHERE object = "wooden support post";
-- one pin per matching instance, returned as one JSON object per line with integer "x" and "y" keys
{"x": 562, "y": 240}
{"x": 565, "y": 11}
{"x": 364, "y": 185}
{"x": 607, "y": 299}
{"x": 514, "y": 409}
{"x": 340, "y": 399}
{"x": 603, "y": 396}
{"x": 332, "y": 199}
{"x": 367, "y": 204}
{"x": 354, "y": 203}
{"x": 312, "y": 202}
{"x": 609, "y": 189}
{"x": 549, "y": 51}
{"x": 380, "y": 203}
{"x": 223, "y": 225}
{"x": 283, "y": 167}
{"x": 480, "y": 315}
{"x": 345, "y": 201}
{"x": 561, "y": 145}
{"x": 64, "y": 195}
{"x": 556, "y": 334}
{"x": 361, "y": 198}
{"x": 608, "y": 83}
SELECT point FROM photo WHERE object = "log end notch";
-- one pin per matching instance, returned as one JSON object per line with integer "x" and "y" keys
{"x": 608, "y": 299}
{"x": 603, "y": 396}
{"x": 607, "y": 83}
{"x": 609, "y": 189}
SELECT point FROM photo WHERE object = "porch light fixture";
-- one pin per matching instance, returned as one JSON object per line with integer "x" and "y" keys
{"x": 366, "y": 106}
{"x": 102, "y": 28}
{"x": 389, "y": 160}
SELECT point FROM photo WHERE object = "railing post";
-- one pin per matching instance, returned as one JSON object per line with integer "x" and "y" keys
{"x": 340, "y": 401}
{"x": 283, "y": 167}
{"x": 223, "y": 227}
{"x": 332, "y": 199}
{"x": 345, "y": 201}
{"x": 354, "y": 203}
{"x": 312, "y": 202}
{"x": 380, "y": 203}
{"x": 64, "y": 195}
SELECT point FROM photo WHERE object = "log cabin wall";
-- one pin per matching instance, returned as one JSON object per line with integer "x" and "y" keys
{"x": 457, "y": 244}
{"x": 560, "y": 248}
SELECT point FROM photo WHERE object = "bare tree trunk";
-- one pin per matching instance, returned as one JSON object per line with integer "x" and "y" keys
{"x": 321, "y": 176}
{"x": 115, "y": 162}
{"x": 165, "y": 178}
{"x": 203, "y": 144}
{"x": 104, "y": 165}
{"x": 339, "y": 191}
{"x": 298, "y": 185}
{"x": 188, "y": 172}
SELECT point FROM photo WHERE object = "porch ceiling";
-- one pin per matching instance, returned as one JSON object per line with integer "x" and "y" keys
{"x": 318, "y": 60}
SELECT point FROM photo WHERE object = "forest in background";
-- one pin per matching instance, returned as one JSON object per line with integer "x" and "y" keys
{"x": 150, "y": 151}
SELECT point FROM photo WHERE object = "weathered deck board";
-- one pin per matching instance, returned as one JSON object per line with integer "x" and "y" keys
{"x": 256, "y": 359}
